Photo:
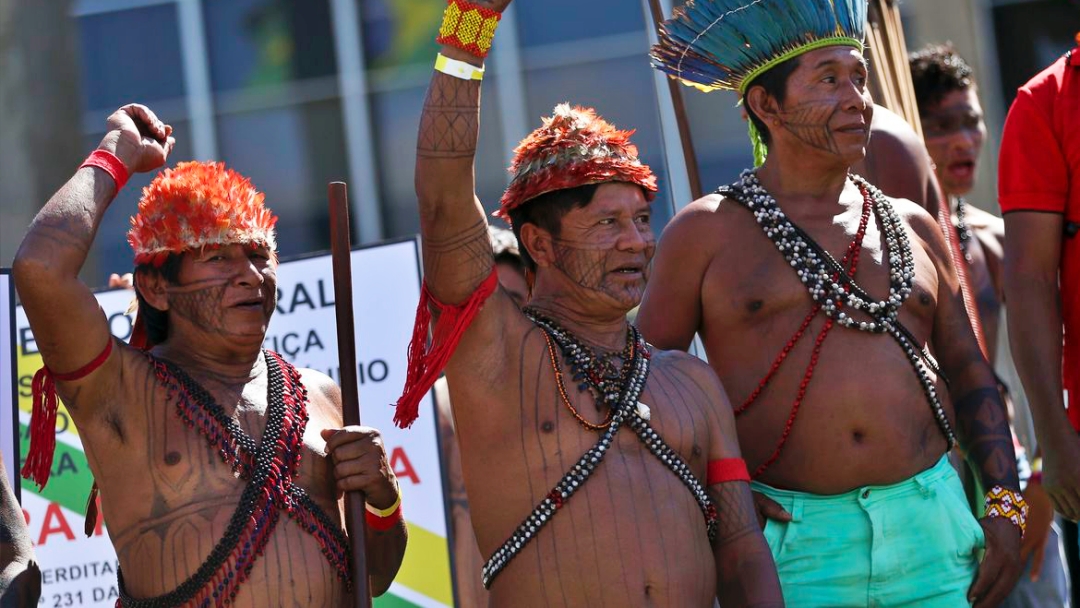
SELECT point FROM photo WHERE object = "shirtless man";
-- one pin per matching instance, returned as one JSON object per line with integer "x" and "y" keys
{"x": 952, "y": 122}
{"x": 622, "y": 526}
{"x": 195, "y": 502}
{"x": 844, "y": 427}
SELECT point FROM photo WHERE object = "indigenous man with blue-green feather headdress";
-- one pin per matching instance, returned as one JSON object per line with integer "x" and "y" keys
{"x": 834, "y": 318}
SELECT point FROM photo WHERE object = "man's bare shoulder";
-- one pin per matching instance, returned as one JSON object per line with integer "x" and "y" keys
{"x": 704, "y": 217}
{"x": 324, "y": 395}
{"x": 681, "y": 364}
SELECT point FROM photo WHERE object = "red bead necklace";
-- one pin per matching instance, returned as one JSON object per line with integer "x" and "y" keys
{"x": 851, "y": 260}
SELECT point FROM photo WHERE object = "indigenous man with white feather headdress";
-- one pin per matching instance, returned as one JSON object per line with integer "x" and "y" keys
{"x": 833, "y": 316}
{"x": 600, "y": 471}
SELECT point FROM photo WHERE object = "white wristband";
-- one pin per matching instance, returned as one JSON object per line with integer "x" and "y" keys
{"x": 458, "y": 69}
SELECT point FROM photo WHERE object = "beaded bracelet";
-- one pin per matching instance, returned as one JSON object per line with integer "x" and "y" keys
{"x": 458, "y": 69}
{"x": 1010, "y": 504}
{"x": 109, "y": 163}
{"x": 469, "y": 27}
{"x": 382, "y": 520}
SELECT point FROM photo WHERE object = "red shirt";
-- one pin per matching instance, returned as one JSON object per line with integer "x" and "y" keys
{"x": 1039, "y": 170}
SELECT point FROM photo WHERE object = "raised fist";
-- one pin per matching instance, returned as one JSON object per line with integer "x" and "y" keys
{"x": 138, "y": 138}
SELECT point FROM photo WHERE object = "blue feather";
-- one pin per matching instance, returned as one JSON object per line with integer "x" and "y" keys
{"x": 715, "y": 43}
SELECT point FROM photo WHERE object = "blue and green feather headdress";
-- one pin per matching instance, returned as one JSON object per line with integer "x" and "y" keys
{"x": 726, "y": 44}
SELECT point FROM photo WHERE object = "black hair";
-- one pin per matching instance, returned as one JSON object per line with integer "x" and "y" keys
{"x": 156, "y": 321}
{"x": 547, "y": 211}
{"x": 936, "y": 71}
{"x": 774, "y": 81}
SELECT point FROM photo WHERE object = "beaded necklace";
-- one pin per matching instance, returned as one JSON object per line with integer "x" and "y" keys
{"x": 593, "y": 372}
{"x": 963, "y": 231}
{"x": 832, "y": 287}
{"x": 624, "y": 408}
{"x": 852, "y": 257}
{"x": 270, "y": 468}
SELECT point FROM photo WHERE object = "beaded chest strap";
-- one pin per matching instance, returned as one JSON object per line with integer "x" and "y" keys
{"x": 624, "y": 410}
{"x": 270, "y": 468}
{"x": 831, "y": 287}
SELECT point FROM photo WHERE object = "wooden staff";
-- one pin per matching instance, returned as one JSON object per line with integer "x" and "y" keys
{"x": 341, "y": 253}
{"x": 689, "y": 155}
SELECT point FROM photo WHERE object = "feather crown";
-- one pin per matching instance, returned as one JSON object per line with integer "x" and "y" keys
{"x": 725, "y": 44}
{"x": 573, "y": 147}
{"x": 199, "y": 204}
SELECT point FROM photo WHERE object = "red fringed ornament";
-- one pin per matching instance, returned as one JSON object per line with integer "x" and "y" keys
{"x": 426, "y": 361}
{"x": 39, "y": 457}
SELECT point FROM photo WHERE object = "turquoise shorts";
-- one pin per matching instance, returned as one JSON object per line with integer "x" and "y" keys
{"x": 913, "y": 543}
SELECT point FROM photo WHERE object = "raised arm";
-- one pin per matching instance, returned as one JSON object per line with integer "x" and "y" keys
{"x": 68, "y": 325}
{"x": 982, "y": 422}
{"x": 457, "y": 252}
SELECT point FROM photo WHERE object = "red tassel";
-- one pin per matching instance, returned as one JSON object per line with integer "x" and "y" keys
{"x": 91, "y": 511}
{"x": 426, "y": 361}
{"x": 39, "y": 457}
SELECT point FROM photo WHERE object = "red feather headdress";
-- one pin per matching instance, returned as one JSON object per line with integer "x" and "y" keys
{"x": 199, "y": 204}
{"x": 574, "y": 147}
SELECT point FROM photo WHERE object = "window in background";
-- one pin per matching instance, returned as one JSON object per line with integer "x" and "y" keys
{"x": 130, "y": 55}
{"x": 255, "y": 43}
{"x": 290, "y": 153}
{"x": 564, "y": 21}
{"x": 1030, "y": 36}
{"x": 720, "y": 138}
{"x": 399, "y": 48}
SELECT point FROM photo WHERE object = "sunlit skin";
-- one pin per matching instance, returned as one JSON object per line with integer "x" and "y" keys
{"x": 863, "y": 420}
{"x": 226, "y": 294}
{"x": 512, "y": 280}
{"x": 955, "y": 133}
{"x": 828, "y": 107}
{"x": 601, "y": 255}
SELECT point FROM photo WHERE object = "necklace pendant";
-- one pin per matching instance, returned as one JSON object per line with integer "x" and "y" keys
{"x": 643, "y": 411}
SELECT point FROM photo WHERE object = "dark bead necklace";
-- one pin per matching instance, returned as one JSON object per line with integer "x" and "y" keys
{"x": 269, "y": 467}
{"x": 963, "y": 231}
{"x": 625, "y": 409}
{"x": 830, "y": 285}
{"x": 593, "y": 371}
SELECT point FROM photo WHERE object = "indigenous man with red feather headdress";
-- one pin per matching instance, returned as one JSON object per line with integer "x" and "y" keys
{"x": 600, "y": 471}
{"x": 220, "y": 465}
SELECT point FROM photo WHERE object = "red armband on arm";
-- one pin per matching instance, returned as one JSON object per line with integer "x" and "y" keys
{"x": 726, "y": 469}
{"x": 109, "y": 163}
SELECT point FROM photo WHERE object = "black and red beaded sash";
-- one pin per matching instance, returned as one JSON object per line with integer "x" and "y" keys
{"x": 270, "y": 469}
{"x": 626, "y": 411}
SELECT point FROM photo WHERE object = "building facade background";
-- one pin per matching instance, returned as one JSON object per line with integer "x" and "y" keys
{"x": 296, "y": 94}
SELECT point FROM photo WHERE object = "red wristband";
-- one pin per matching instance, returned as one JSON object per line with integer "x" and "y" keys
{"x": 726, "y": 469}
{"x": 109, "y": 163}
{"x": 382, "y": 524}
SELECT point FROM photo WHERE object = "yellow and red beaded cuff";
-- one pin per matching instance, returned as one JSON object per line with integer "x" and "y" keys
{"x": 1010, "y": 504}
{"x": 469, "y": 27}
